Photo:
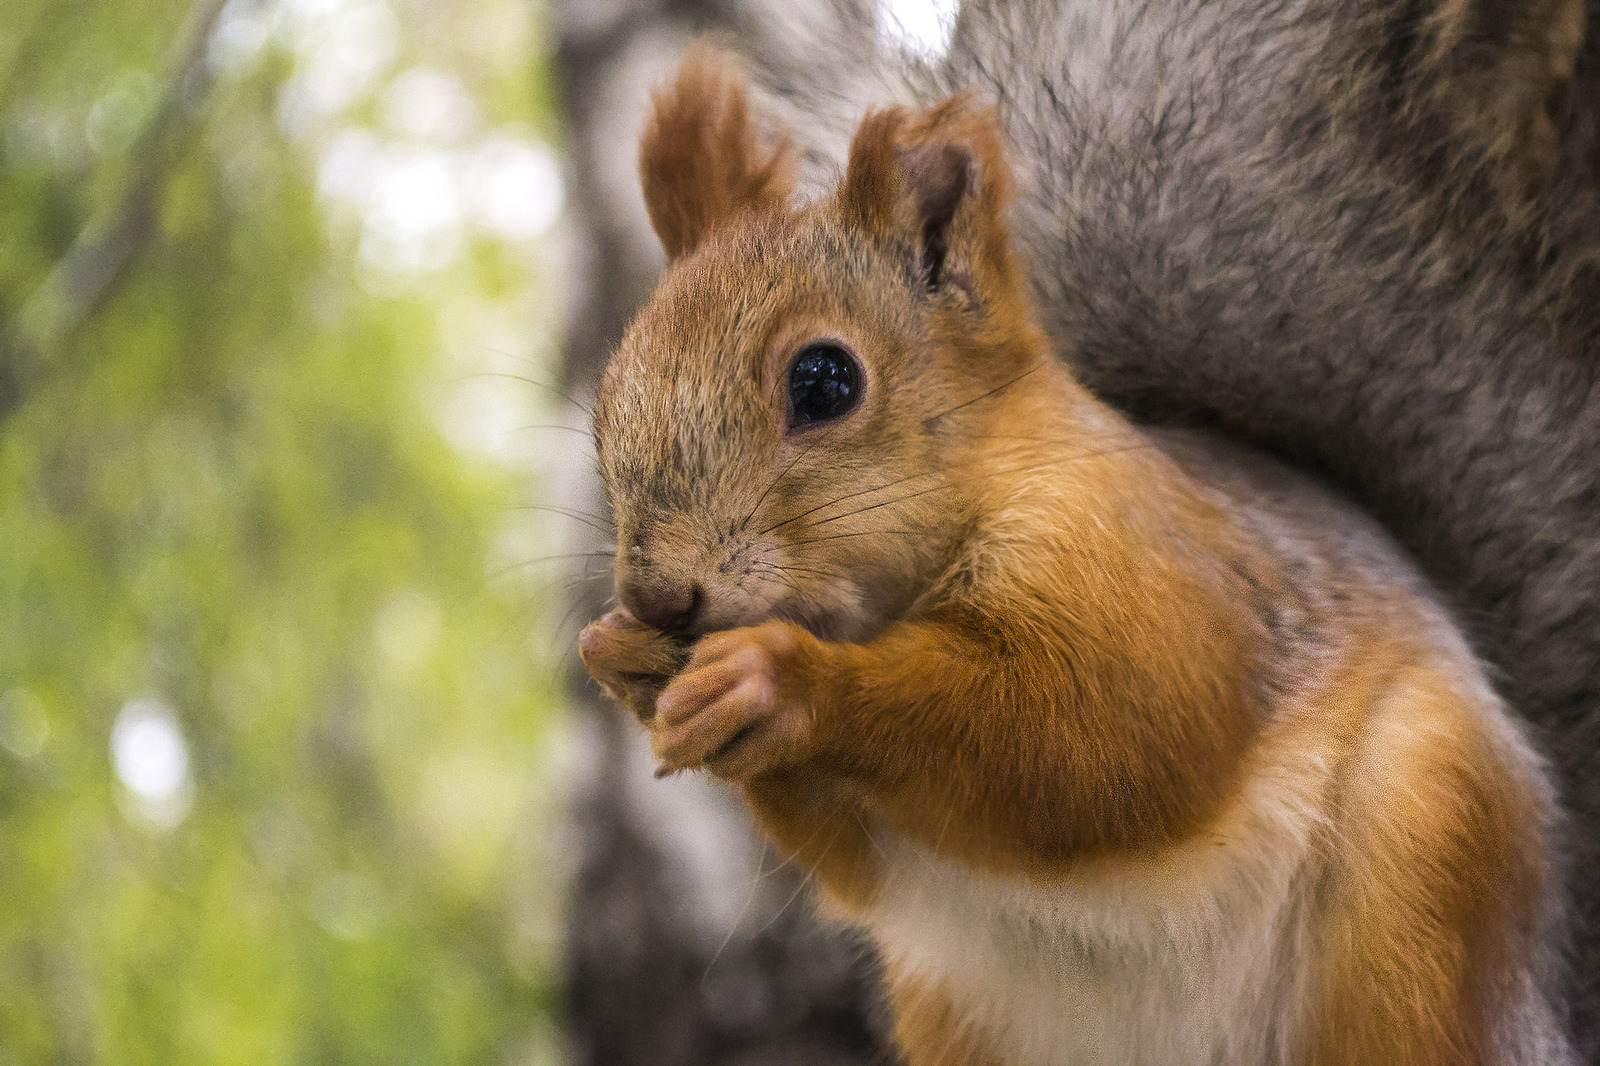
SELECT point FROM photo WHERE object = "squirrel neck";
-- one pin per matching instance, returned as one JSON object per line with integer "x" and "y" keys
{"x": 1083, "y": 514}
{"x": 1093, "y": 548}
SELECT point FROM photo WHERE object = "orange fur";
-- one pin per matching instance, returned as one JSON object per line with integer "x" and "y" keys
{"x": 820, "y": 825}
{"x": 1432, "y": 896}
{"x": 700, "y": 159}
{"x": 1023, "y": 636}
{"x": 929, "y": 1028}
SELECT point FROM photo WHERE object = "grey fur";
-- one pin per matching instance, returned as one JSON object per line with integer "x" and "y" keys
{"x": 1291, "y": 221}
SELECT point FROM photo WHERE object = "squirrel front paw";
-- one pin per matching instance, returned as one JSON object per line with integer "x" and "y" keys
{"x": 632, "y": 661}
{"x": 736, "y": 709}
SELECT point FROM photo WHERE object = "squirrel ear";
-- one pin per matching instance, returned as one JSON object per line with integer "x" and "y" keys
{"x": 700, "y": 159}
{"x": 937, "y": 183}
{"x": 939, "y": 176}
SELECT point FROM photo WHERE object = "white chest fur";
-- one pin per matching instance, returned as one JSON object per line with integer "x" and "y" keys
{"x": 1196, "y": 956}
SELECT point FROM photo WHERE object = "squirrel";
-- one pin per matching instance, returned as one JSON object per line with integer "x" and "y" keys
{"x": 1120, "y": 744}
{"x": 1359, "y": 236}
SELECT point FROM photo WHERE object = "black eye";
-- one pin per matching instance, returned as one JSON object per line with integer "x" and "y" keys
{"x": 824, "y": 383}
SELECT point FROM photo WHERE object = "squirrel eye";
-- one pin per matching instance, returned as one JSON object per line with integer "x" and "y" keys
{"x": 824, "y": 384}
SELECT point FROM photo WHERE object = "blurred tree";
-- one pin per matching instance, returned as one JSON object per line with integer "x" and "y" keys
{"x": 272, "y": 727}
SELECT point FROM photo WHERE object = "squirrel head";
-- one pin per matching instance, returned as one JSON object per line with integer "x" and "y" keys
{"x": 785, "y": 430}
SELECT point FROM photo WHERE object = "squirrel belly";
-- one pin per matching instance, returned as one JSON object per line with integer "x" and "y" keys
{"x": 1123, "y": 747}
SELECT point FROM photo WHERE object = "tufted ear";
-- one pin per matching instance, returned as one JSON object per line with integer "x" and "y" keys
{"x": 937, "y": 185}
{"x": 701, "y": 159}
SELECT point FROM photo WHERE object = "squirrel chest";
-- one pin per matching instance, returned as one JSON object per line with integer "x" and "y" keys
{"x": 1194, "y": 957}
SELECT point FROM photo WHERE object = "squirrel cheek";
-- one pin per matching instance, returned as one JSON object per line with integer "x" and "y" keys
{"x": 840, "y": 610}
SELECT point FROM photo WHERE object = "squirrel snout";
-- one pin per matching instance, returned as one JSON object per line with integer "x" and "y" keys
{"x": 669, "y": 606}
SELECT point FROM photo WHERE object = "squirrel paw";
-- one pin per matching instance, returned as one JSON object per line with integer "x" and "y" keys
{"x": 731, "y": 709}
{"x": 632, "y": 661}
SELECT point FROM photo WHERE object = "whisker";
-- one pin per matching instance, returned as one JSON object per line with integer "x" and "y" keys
{"x": 876, "y": 488}
{"x": 886, "y": 503}
{"x": 777, "y": 383}
{"x": 733, "y": 929}
{"x": 525, "y": 563}
{"x": 841, "y": 499}
{"x": 774, "y": 577}
{"x": 968, "y": 436}
{"x": 792, "y": 569}
{"x": 587, "y": 434}
{"x": 928, "y": 423}
{"x": 585, "y": 408}
{"x": 745, "y": 521}
{"x": 987, "y": 470}
{"x": 863, "y": 533}
{"x": 806, "y": 877}
{"x": 598, "y": 523}
{"x": 1019, "y": 436}
{"x": 576, "y": 603}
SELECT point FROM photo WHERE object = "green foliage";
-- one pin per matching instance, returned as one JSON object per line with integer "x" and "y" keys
{"x": 229, "y": 504}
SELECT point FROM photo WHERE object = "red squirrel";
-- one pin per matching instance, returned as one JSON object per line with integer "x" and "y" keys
{"x": 1122, "y": 746}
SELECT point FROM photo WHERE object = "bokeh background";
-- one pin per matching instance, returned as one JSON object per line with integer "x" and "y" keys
{"x": 279, "y": 737}
{"x": 299, "y": 304}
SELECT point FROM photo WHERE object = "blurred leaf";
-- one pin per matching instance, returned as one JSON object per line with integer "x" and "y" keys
{"x": 228, "y": 497}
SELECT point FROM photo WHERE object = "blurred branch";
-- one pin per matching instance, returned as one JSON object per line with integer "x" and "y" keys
{"x": 100, "y": 257}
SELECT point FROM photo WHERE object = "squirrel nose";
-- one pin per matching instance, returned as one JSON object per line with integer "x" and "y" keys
{"x": 668, "y": 606}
